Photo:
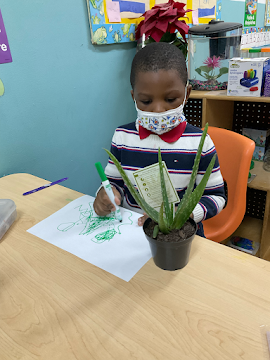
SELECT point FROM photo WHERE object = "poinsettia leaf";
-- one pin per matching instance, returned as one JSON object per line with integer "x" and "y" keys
{"x": 168, "y": 12}
{"x": 199, "y": 71}
{"x": 150, "y": 13}
{"x": 162, "y": 25}
{"x": 156, "y": 34}
{"x": 182, "y": 25}
{"x": 148, "y": 26}
{"x": 179, "y": 6}
{"x": 171, "y": 28}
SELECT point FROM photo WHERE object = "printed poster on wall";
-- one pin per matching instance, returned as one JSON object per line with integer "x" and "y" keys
{"x": 267, "y": 13}
{"x": 5, "y": 55}
{"x": 250, "y": 13}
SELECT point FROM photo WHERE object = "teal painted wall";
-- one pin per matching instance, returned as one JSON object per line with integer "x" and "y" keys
{"x": 233, "y": 11}
{"x": 63, "y": 96}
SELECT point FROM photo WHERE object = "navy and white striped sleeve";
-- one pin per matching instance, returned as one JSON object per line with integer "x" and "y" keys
{"x": 213, "y": 199}
{"x": 111, "y": 171}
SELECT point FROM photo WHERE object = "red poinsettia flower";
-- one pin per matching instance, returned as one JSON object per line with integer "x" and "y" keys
{"x": 212, "y": 62}
{"x": 163, "y": 18}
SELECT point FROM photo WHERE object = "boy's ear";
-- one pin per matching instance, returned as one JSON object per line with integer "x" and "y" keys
{"x": 132, "y": 94}
{"x": 189, "y": 87}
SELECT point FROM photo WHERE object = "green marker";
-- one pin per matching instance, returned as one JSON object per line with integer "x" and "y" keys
{"x": 107, "y": 187}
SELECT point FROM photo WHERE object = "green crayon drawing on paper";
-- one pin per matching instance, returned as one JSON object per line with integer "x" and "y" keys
{"x": 93, "y": 222}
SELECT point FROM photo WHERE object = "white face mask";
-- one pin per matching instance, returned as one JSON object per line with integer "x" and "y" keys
{"x": 160, "y": 123}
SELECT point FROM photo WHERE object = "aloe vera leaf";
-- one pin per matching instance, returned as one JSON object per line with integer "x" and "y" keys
{"x": 164, "y": 191}
{"x": 152, "y": 213}
{"x": 155, "y": 231}
{"x": 194, "y": 198}
{"x": 172, "y": 209}
{"x": 193, "y": 175}
{"x": 161, "y": 221}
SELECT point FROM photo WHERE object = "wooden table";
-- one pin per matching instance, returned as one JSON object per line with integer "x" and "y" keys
{"x": 55, "y": 306}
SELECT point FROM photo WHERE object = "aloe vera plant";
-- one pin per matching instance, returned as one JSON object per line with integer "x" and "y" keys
{"x": 166, "y": 219}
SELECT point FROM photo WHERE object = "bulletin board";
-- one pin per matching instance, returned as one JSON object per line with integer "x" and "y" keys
{"x": 122, "y": 29}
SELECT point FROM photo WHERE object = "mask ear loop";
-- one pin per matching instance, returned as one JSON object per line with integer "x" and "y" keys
{"x": 183, "y": 103}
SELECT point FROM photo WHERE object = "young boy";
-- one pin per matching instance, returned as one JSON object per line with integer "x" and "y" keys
{"x": 159, "y": 89}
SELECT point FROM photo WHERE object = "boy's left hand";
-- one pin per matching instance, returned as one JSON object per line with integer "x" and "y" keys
{"x": 142, "y": 219}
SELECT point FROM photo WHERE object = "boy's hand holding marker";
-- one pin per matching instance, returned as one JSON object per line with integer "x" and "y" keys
{"x": 103, "y": 205}
{"x": 107, "y": 201}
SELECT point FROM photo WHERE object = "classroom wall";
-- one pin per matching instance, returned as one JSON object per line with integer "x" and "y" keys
{"x": 63, "y": 96}
{"x": 233, "y": 11}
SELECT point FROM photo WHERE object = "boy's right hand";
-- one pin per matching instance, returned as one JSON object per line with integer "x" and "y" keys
{"x": 103, "y": 205}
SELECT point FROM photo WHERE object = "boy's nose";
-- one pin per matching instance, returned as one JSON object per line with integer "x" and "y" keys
{"x": 158, "y": 108}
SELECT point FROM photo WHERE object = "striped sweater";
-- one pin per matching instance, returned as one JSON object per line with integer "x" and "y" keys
{"x": 134, "y": 154}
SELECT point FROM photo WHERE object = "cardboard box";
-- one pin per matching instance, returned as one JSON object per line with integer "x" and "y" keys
{"x": 266, "y": 89}
{"x": 258, "y": 153}
{"x": 259, "y": 136}
{"x": 246, "y": 76}
{"x": 261, "y": 139}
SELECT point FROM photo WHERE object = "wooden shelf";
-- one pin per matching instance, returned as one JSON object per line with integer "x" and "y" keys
{"x": 218, "y": 110}
{"x": 262, "y": 180}
{"x": 222, "y": 95}
{"x": 251, "y": 229}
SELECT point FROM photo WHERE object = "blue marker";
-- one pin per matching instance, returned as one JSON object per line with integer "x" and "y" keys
{"x": 107, "y": 187}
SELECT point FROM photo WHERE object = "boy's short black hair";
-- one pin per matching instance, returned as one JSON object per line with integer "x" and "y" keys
{"x": 158, "y": 56}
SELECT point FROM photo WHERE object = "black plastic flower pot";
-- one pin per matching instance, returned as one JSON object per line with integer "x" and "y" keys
{"x": 170, "y": 255}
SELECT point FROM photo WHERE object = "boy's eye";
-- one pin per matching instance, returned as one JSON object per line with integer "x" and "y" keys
{"x": 171, "y": 100}
{"x": 146, "y": 102}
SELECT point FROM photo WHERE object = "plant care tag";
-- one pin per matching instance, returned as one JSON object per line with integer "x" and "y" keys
{"x": 149, "y": 186}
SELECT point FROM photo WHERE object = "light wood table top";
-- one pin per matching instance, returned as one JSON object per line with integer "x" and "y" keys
{"x": 55, "y": 306}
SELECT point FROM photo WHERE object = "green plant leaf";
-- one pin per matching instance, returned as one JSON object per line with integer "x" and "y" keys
{"x": 192, "y": 178}
{"x": 195, "y": 197}
{"x": 222, "y": 71}
{"x": 161, "y": 221}
{"x": 164, "y": 191}
{"x": 206, "y": 69}
{"x": 155, "y": 231}
{"x": 204, "y": 75}
{"x": 172, "y": 210}
{"x": 152, "y": 213}
{"x": 168, "y": 37}
{"x": 207, "y": 76}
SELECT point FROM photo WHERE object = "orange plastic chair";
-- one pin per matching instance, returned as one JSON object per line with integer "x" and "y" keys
{"x": 235, "y": 154}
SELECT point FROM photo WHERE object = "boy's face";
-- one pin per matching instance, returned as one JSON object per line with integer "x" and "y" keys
{"x": 159, "y": 91}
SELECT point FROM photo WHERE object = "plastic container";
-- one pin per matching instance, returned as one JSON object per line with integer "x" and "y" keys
{"x": 266, "y": 160}
{"x": 254, "y": 53}
{"x": 244, "y": 53}
{"x": 209, "y": 49}
{"x": 170, "y": 255}
{"x": 265, "y": 52}
{"x": 8, "y": 215}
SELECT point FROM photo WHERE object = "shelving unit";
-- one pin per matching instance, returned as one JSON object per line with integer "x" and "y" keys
{"x": 233, "y": 113}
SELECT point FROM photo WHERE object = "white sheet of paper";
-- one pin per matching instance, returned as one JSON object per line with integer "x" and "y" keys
{"x": 119, "y": 248}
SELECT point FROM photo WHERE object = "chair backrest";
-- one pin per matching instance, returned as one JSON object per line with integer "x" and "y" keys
{"x": 234, "y": 153}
